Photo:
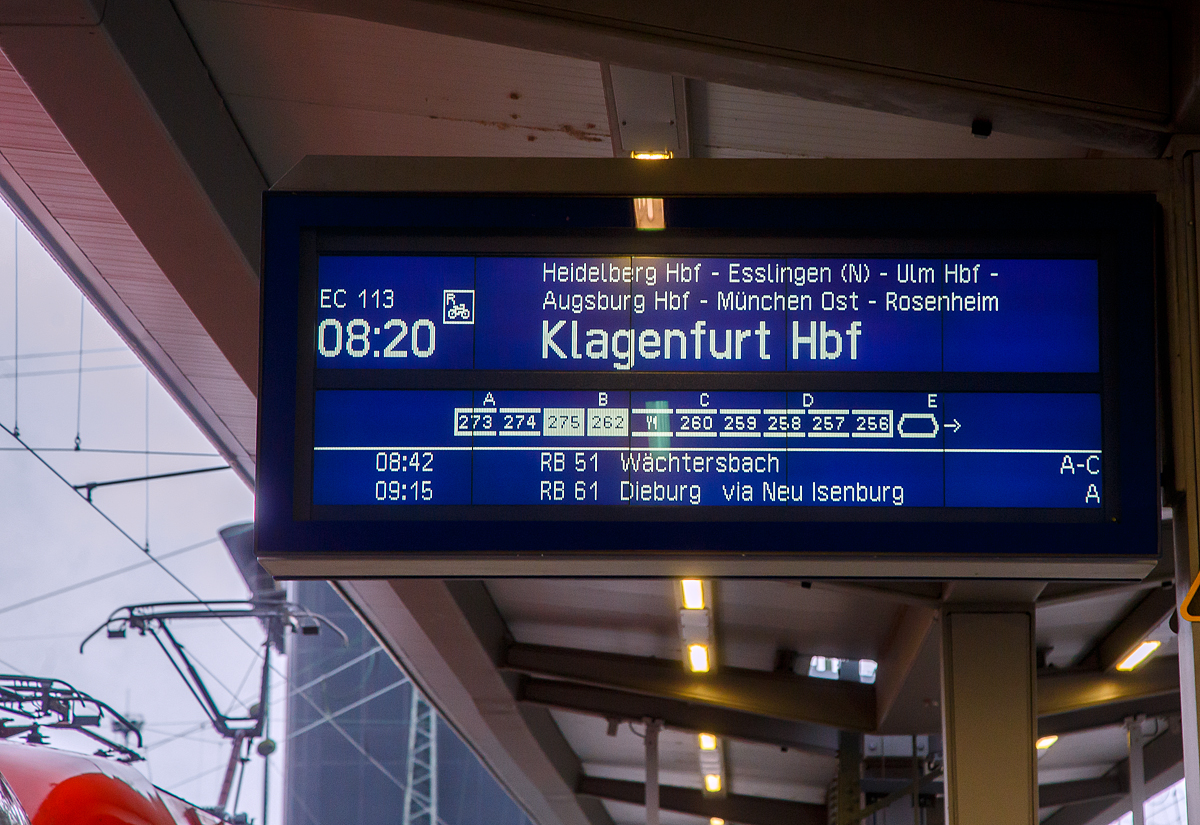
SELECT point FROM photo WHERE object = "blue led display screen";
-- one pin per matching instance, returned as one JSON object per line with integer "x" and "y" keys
{"x": 725, "y": 449}
{"x": 660, "y": 314}
{"x": 532, "y": 379}
{"x": 707, "y": 448}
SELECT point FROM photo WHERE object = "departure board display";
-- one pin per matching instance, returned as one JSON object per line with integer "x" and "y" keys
{"x": 575, "y": 390}
{"x": 686, "y": 314}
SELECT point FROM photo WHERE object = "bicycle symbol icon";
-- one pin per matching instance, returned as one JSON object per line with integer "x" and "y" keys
{"x": 458, "y": 306}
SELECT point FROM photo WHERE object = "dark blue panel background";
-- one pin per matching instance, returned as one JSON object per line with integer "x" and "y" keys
{"x": 861, "y": 461}
{"x": 350, "y": 478}
{"x": 1019, "y": 480}
{"x": 1028, "y": 421}
{"x": 516, "y": 476}
{"x": 867, "y": 474}
{"x": 1049, "y": 319}
{"x": 728, "y": 480}
{"x": 388, "y": 418}
{"x": 1068, "y": 425}
{"x": 890, "y": 340}
{"x": 405, "y": 422}
{"x": 417, "y": 284}
{"x": 510, "y": 296}
{"x": 666, "y": 309}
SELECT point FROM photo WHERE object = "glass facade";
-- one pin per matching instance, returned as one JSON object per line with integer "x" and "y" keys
{"x": 349, "y": 715}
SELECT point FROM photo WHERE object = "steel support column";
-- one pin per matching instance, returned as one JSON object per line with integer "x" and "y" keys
{"x": 1137, "y": 771}
{"x": 652, "y": 728}
{"x": 989, "y": 716}
{"x": 1182, "y": 468}
{"x": 1189, "y": 702}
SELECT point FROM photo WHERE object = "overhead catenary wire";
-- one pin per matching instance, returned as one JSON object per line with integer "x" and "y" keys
{"x": 146, "y": 545}
{"x": 16, "y": 329}
{"x": 108, "y": 451}
{"x": 101, "y": 513}
{"x": 25, "y": 356}
{"x": 73, "y": 370}
{"x": 186, "y": 735}
{"x": 110, "y": 574}
{"x": 236, "y": 696}
{"x": 19, "y": 368}
{"x": 131, "y": 539}
{"x": 194, "y": 777}
{"x": 79, "y": 375}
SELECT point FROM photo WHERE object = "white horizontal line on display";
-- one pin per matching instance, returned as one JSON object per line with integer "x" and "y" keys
{"x": 709, "y": 449}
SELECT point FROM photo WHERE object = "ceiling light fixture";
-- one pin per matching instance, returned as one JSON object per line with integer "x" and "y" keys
{"x": 1140, "y": 654}
{"x": 712, "y": 764}
{"x": 693, "y": 598}
{"x": 661, "y": 154}
{"x": 1045, "y": 742}
{"x": 693, "y": 594}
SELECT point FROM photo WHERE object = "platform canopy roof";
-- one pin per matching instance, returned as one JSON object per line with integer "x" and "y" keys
{"x": 138, "y": 136}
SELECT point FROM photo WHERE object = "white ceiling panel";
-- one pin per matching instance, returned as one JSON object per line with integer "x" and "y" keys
{"x": 282, "y": 132}
{"x": 623, "y": 813}
{"x": 756, "y": 618}
{"x": 301, "y": 83}
{"x": 764, "y": 770}
{"x": 1069, "y": 630}
{"x": 747, "y": 123}
{"x": 635, "y": 618}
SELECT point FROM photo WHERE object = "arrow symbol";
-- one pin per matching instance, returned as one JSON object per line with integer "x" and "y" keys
{"x": 953, "y": 425}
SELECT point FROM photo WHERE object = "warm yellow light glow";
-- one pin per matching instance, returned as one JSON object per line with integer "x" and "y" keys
{"x": 1139, "y": 655}
{"x": 715, "y": 820}
{"x": 1045, "y": 742}
{"x": 698, "y": 657}
{"x": 693, "y": 594}
{"x": 708, "y": 742}
{"x": 712, "y": 782}
{"x": 666, "y": 154}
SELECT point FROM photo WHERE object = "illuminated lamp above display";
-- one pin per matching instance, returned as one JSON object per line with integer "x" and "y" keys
{"x": 483, "y": 385}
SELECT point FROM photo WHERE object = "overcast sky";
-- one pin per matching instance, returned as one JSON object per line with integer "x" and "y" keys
{"x": 51, "y": 539}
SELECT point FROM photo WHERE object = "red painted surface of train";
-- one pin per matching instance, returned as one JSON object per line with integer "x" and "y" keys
{"x": 44, "y": 786}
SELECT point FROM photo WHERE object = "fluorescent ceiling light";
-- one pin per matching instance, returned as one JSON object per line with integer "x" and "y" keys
{"x": 708, "y": 742}
{"x": 698, "y": 658}
{"x": 1045, "y": 742}
{"x": 1139, "y": 655}
{"x": 712, "y": 782}
{"x": 693, "y": 594}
